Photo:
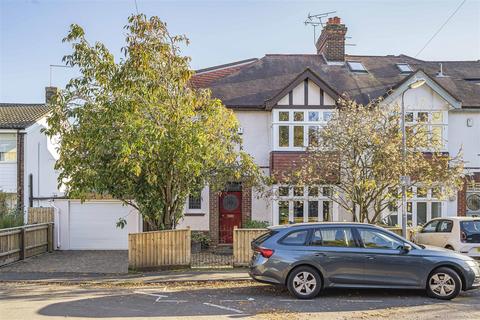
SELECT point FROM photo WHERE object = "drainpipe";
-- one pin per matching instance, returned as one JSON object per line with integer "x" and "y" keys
{"x": 57, "y": 218}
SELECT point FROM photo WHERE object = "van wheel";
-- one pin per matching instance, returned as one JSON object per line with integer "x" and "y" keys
{"x": 304, "y": 282}
{"x": 443, "y": 283}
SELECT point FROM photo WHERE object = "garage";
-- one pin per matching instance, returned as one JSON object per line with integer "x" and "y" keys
{"x": 92, "y": 225}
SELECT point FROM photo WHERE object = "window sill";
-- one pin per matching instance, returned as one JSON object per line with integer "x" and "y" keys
{"x": 193, "y": 214}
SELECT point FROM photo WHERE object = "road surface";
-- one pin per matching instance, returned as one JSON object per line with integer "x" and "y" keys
{"x": 223, "y": 301}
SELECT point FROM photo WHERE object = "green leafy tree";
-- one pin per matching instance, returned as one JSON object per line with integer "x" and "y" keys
{"x": 135, "y": 130}
{"x": 360, "y": 152}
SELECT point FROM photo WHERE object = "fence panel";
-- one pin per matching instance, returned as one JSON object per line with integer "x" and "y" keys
{"x": 40, "y": 215}
{"x": 398, "y": 231}
{"x": 242, "y": 250}
{"x": 22, "y": 242}
{"x": 156, "y": 249}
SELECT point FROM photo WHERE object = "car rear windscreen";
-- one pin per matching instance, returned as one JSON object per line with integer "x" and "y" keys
{"x": 470, "y": 231}
{"x": 264, "y": 237}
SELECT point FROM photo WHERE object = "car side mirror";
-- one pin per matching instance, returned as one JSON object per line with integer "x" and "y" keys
{"x": 406, "y": 247}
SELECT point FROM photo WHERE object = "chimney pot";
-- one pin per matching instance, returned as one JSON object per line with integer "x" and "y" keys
{"x": 331, "y": 42}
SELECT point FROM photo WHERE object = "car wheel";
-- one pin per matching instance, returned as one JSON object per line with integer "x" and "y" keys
{"x": 444, "y": 283}
{"x": 304, "y": 282}
{"x": 449, "y": 247}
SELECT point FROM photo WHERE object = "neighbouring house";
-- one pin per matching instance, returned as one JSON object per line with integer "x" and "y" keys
{"x": 280, "y": 97}
{"x": 24, "y": 151}
{"x": 28, "y": 176}
{"x": 277, "y": 100}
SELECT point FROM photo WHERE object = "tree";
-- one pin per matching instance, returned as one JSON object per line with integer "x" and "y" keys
{"x": 360, "y": 152}
{"x": 137, "y": 131}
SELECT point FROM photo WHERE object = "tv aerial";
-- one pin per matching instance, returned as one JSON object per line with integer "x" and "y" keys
{"x": 315, "y": 20}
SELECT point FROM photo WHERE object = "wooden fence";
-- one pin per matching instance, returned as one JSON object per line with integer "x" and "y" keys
{"x": 398, "y": 230}
{"x": 22, "y": 242}
{"x": 40, "y": 215}
{"x": 158, "y": 249}
{"x": 242, "y": 249}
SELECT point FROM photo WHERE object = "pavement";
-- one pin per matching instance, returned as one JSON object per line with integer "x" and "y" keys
{"x": 224, "y": 300}
{"x": 104, "y": 267}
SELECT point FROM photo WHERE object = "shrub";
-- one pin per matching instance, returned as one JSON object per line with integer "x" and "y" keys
{"x": 9, "y": 217}
{"x": 202, "y": 238}
{"x": 255, "y": 224}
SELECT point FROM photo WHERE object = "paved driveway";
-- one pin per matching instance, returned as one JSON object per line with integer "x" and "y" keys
{"x": 92, "y": 262}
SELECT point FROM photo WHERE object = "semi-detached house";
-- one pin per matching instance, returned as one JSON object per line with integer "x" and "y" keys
{"x": 278, "y": 99}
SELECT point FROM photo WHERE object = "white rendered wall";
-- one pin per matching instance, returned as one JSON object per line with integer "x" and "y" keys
{"x": 40, "y": 157}
{"x": 461, "y": 136}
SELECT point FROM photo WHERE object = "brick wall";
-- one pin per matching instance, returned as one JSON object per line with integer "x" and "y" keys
{"x": 214, "y": 221}
{"x": 246, "y": 205}
{"x": 214, "y": 216}
{"x": 284, "y": 162}
{"x": 331, "y": 42}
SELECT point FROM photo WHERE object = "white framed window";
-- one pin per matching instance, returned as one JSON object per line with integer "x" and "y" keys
{"x": 297, "y": 129}
{"x": 422, "y": 205}
{"x": 197, "y": 203}
{"x": 436, "y": 123}
{"x": 8, "y": 147}
{"x": 295, "y": 204}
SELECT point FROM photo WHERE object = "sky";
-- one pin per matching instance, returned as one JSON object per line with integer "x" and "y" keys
{"x": 31, "y": 32}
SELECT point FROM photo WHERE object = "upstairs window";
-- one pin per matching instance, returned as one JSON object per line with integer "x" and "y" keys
{"x": 404, "y": 68}
{"x": 356, "y": 66}
{"x": 8, "y": 147}
{"x": 298, "y": 129}
{"x": 436, "y": 125}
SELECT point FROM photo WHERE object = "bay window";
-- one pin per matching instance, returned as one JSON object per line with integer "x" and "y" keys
{"x": 297, "y": 129}
{"x": 295, "y": 204}
{"x": 422, "y": 205}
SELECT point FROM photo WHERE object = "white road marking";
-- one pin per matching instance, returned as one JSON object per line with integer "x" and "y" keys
{"x": 373, "y": 301}
{"x": 222, "y": 307}
{"x": 158, "y": 296}
{"x": 238, "y": 300}
{"x": 174, "y": 301}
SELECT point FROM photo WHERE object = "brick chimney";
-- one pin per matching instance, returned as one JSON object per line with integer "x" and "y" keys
{"x": 331, "y": 42}
{"x": 49, "y": 93}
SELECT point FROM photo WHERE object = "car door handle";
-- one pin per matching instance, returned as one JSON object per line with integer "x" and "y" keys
{"x": 370, "y": 257}
{"x": 319, "y": 254}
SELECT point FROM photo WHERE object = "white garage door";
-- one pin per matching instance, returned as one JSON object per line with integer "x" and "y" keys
{"x": 93, "y": 226}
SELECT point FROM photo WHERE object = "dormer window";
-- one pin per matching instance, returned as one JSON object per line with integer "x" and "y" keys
{"x": 404, "y": 68}
{"x": 356, "y": 66}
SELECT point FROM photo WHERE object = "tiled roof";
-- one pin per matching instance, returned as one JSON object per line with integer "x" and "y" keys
{"x": 259, "y": 81}
{"x": 21, "y": 116}
{"x": 205, "y": 77}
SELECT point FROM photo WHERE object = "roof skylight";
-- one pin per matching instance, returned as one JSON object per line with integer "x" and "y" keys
{"x": 404, "y": 68}
{"x": 356, "y": 66}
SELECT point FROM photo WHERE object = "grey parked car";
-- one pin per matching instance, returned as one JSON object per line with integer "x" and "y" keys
{"x": 309, "y": 257}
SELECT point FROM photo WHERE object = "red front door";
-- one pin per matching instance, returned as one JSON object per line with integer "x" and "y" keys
{"x": 230, "y": 214}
